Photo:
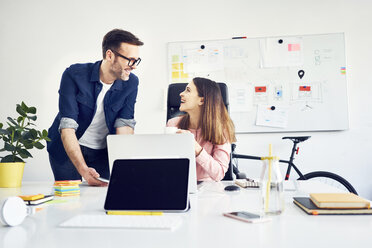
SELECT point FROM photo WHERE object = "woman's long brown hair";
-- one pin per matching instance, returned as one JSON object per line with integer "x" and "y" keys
{"x": 215, "y": 123}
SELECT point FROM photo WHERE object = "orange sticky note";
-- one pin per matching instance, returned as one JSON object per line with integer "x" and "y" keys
{"x": 31, "y": 197}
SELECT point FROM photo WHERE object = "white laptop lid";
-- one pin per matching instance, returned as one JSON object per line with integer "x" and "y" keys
{"x": 147, "y": 146}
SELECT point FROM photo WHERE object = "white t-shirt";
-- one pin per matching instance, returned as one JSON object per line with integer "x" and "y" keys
{"x": 95, "y": 135}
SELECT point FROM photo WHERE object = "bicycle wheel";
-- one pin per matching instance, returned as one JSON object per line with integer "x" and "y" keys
{"x": 330, "y": 179}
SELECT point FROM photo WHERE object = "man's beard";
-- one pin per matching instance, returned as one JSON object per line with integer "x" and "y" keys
{"x": 118, "y": 72}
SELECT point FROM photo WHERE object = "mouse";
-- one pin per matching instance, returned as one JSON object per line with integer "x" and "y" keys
{"x": 232, "y": 188}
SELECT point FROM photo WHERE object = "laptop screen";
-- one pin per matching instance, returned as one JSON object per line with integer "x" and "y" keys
{"x": 148, "y": 184}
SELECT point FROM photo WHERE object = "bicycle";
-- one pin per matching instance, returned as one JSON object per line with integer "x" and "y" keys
{"x": 325, "y": 176}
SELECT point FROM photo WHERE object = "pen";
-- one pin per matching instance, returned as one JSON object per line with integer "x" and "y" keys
{"x": 132, "y": 213}
{"x": 241, "y": 37}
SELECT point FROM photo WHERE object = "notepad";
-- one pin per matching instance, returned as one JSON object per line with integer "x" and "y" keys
{"x": 31, "y": 197}
{"x": 124, "y": 221}
{"x": 339, "y": 200}
{"x": 46, "y": 198}
{"x": 310, "y": 208}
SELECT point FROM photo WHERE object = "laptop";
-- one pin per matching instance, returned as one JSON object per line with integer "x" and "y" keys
{"x": 154, "y": 146}
{"x": 159, "y": 184}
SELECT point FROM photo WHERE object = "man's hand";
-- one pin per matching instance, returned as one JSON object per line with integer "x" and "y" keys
{"x": 90, "y": 175}
{"x": 73, "y": 151}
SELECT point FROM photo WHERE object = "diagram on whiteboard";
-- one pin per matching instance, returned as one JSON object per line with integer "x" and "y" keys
{"x": 275, "y": 84}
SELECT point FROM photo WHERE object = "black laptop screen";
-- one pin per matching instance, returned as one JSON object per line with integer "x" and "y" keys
{"x": 148, "y": 184}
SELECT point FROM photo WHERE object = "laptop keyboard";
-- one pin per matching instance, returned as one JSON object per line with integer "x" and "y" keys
{"x": 124, "y": 221}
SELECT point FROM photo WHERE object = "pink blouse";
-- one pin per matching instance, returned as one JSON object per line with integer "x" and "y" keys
{"x": 213, "y": 161}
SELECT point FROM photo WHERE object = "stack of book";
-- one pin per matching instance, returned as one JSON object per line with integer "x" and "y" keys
{"x": 67, "y": 188}
{"x": 333, "y": 203}
{"x": 36, "y": 199}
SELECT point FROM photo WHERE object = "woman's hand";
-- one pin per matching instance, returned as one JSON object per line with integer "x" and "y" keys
{"x": 182, "y": 131}
{"x": 198, "y": 148}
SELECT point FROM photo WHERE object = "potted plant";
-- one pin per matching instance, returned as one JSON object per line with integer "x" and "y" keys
{"x": 19, "y": 137}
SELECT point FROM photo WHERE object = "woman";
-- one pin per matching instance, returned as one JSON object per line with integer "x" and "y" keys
{"x": 207, "y": 118}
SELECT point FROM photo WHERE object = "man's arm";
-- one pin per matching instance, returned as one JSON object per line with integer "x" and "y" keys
{"x": 73, "y": 151}
{"x": 124, "y": 130}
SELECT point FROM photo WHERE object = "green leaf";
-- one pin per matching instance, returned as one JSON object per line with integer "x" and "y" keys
{"x": 45, "y": 133}
{"x": 9, "y": 147}
{"x": 47, "y": 139}
{"x": 32, "y": 117}
{"x": 4, "y": 132}
{"x": 20, "y": 119}
{"x": 10, "y": 159}
{"x": 28, "y": 145}
{"x": 12, "y": 121}
{"x": 33, "y": 133}
{"x": 18, "y": 159}
{"x": 31, "y": 110}
{"x": 17, "y": 135}
{"x": 24, "y": 106}
{"x": 1, "y": 125}
{"x": 20, "y": 111}
{"x": 26, "y": 135}
{"x": 24, "y": 153}
{"x": 38, "y": 145}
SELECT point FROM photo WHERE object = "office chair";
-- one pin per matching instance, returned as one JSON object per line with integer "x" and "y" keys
{"x": 173, "y": 105}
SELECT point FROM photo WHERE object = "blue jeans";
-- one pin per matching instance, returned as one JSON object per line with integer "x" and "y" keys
{"x": 97, "y": 159}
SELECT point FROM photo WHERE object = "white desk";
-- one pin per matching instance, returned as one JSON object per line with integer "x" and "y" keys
{"x": 203, "y": 226}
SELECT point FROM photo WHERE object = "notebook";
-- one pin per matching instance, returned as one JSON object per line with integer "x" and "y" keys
{"x": 148, "y": 146}
{"x": 339, "y": 200}
{"x": 148, "y": 185}
{"x": 310, "y": 208}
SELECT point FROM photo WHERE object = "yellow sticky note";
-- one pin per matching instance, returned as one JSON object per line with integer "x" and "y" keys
{"x": 31, "y": 197}
{"x": 176, "y": 66}
{"x": 175, "y": 58}
{"x": 184, "y": 75}
{"x": 175, "y": 74}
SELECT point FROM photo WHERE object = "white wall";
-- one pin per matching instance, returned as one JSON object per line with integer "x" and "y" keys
{"x": 40, "y": 38}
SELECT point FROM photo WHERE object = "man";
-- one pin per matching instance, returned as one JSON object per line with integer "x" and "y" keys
{"x": 95, "y": 99}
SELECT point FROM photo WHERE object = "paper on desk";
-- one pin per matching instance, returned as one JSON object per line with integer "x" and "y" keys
{"x": 272, "y": 116}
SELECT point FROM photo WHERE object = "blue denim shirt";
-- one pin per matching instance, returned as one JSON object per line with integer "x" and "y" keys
{"x": 78, "y": 92}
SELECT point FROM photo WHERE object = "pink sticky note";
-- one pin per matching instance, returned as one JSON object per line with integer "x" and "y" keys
{"x": 294, "y": 47}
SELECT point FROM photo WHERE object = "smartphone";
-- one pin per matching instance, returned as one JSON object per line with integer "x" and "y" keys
{"x": 247, "y": 217}
{"x": 102, "y": 179}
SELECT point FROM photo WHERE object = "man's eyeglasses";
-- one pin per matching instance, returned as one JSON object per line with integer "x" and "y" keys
{"x": 131, "y": 62}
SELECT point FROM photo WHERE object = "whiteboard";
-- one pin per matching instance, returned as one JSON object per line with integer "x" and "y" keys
{"x": 276, "y": 84}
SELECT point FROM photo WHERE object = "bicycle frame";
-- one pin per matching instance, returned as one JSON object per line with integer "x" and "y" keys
{"x": 290, "y": 162}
